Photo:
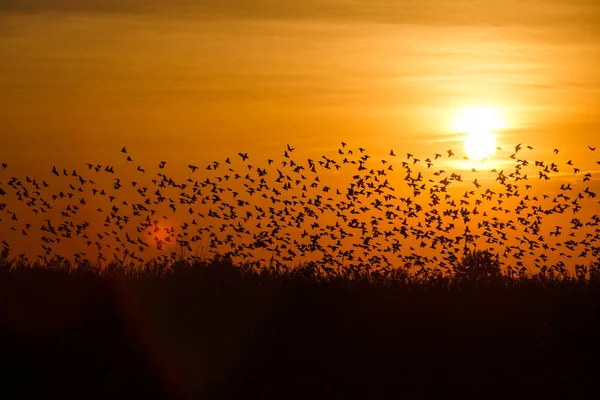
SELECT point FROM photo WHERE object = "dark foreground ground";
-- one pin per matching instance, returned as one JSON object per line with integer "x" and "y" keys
{"x": 211, "y": 334}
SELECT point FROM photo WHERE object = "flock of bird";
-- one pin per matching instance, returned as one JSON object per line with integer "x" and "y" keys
{"x": 343, "y": 211}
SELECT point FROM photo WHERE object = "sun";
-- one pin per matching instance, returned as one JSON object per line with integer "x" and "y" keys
{"x": 480, "y": 146}
{"x": 479, "y": 124}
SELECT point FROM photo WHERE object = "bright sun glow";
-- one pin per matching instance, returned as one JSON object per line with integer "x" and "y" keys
{"x": 479, "y": 124}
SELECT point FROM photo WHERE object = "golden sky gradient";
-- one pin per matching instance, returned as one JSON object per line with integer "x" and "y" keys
{"x": 194, "y": 81}
{"x": 195, "y": 78}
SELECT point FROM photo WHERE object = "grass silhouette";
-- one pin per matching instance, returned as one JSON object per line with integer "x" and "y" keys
{"x": 214, "y": 329}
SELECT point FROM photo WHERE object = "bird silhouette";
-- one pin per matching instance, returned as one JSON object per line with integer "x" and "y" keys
{"x": 302, "y": 209}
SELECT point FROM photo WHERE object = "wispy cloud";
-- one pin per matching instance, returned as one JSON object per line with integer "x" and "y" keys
{"x": 428, "y": 12}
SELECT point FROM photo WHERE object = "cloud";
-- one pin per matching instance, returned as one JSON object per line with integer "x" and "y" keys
{"x": 240, "y": 8}
{"x": 66, "y": 6}
{"x": 424, "y": 12}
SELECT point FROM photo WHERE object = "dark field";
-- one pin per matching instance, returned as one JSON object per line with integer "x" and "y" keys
{"x": 219, "y": 331}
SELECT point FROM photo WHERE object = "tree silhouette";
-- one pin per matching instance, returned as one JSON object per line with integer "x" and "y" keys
{"x": 478, "y": 265}
{"x": 594, "y": 271}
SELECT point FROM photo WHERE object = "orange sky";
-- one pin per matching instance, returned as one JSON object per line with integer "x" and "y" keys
{"x": 193, "y": 83}
{"x": 75, "y": 74}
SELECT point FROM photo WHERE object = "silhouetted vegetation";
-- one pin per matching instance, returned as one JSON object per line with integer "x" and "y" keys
{"x": 209, "y": 328}
{"x": 479, "y": 265}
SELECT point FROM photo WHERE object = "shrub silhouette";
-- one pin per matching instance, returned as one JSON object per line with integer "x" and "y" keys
{"x": 594, "y": 271}
{"x": 478, "y": 265}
